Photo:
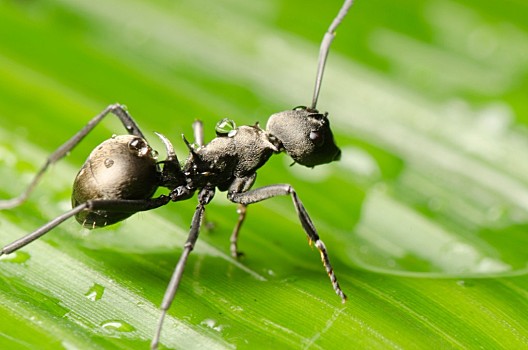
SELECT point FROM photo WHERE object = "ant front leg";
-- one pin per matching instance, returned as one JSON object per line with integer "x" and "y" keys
{"x": 108, "y": 206}
{"x": 116, "y": 109}
{"x": 263, "y": 193}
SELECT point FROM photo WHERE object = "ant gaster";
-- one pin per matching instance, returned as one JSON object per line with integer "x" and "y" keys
{"x": 122, "y": 174}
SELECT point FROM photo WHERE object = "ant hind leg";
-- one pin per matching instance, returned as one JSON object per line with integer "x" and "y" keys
{"x": 116, "y": 205}
{"x": 115, "y": 109}
{"x": 263, "y": 193}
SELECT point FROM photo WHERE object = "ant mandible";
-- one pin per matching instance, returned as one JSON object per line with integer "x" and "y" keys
{"x": 121, "y": 175}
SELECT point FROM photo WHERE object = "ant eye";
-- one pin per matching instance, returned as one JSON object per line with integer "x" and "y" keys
{"x": 317, "y": 138}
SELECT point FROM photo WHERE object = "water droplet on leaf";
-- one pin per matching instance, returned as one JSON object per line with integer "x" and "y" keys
{"x": 117, "y": 326}
{"x": 18, "y": 257}
{"x": 95, "y": 292}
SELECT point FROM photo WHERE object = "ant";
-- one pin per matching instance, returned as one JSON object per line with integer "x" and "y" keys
{"x": 121, "y": 175}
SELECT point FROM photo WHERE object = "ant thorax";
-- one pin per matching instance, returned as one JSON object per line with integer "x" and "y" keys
{"x": 234, "y": 153}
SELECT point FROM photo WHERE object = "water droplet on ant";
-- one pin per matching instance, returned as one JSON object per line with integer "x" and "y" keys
{"x": 225, "y": 127}
{"x": 108, "y": 162}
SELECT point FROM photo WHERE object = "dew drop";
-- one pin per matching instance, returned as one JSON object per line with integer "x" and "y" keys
{"x": 225, "y": 127}
{"x": 108, "y": 162}
{"x": 236, "y": 308}
{"x": 465, "y": 283}
{"x": 210, "y": 323}
{"x": 117, "y": 326}
{"x": 18, "y": 257}
{"x": 95, "y": 292}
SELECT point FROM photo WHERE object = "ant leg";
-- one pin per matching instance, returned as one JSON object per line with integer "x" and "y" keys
{"x": 172, "y": 175}
{"x": 204, "y": 197}
{"x": 239, "y": 185}
{"x": 241, "y": 210}
{"x": 117, "y": 205}
{"x": 116, "y": 109}
{"x": 260, "y": 194}
{"x": 198, "y": 133}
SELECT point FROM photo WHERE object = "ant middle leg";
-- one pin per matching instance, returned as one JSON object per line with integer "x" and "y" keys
{"x": 115, "y": 109}
{"x": 239, "y": 185}
{"x": 263, "y": 193}
{"x": 241, "y": 210}
{"x": 205, "y": 196}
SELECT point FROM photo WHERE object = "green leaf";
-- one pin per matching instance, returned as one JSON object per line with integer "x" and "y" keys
{"x": 424, "y": 217}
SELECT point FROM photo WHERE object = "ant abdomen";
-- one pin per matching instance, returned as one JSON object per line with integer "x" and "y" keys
{"x": 123, "y": 167}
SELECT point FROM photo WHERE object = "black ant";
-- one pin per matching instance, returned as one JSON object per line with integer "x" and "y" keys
{"x": 122, "y": 174}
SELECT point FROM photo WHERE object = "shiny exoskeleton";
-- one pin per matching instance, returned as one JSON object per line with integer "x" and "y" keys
{"x": 122, "y": 174}
{"x": 125, "y": 167}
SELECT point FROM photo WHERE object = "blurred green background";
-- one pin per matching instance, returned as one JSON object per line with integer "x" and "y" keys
{"x": 425, "y": 217}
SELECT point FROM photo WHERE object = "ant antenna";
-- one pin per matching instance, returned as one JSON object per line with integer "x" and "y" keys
{"x": 325, "y": 47}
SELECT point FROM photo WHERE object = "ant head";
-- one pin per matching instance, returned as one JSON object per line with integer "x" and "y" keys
{"x": 305, "y": 135}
